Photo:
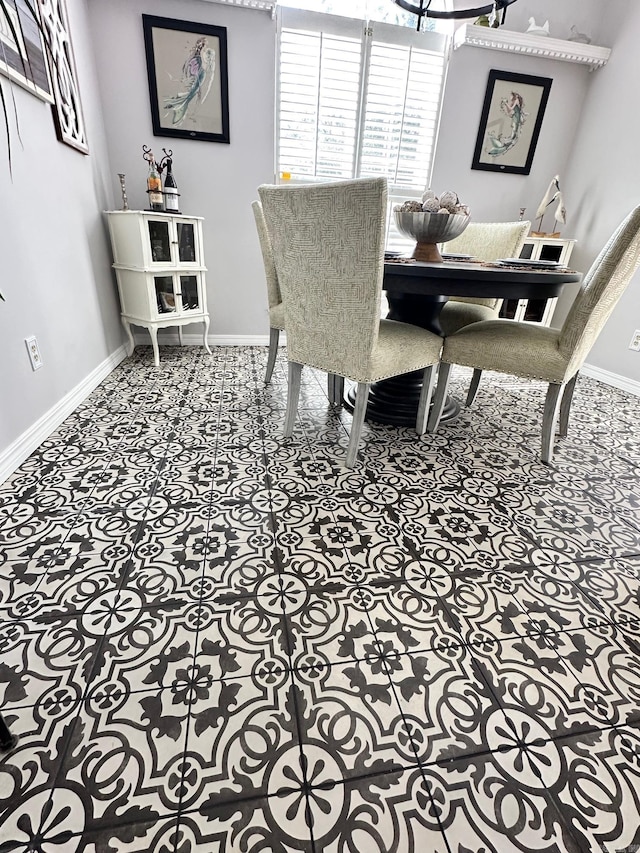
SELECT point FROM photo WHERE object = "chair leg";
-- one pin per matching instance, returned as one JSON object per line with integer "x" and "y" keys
{"x": 428, "y": 378}
{"x": 335, "y": 388}
{"x": 362, "y": 395}
{"x": 551, "y": 407}
{"x": 274, "y": 337}
{"x": 293, "y": 395}
{"x": 473, "y": 387}
{"x": 440, "y": 396}
{"x": 565, "y": 406}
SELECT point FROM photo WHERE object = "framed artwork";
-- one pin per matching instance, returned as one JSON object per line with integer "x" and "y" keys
{"x": 187, "y": 70}
{"x": 23, "y": 56}
{"x": 512, "y": 113}
{"x": 67, "y": 108}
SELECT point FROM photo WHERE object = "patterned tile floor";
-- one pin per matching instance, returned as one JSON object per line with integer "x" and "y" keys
{"x": 212, "y": 639}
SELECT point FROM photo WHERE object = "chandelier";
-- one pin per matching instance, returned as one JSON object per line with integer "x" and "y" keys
{"x": 422, "y": 10}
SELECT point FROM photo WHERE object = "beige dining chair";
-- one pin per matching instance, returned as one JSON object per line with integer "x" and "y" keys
{"x": 328, "y": 247}
{"x": 274, "y": 298}
{"x": 335, "y": 384}
{"x": 486, "y": 241}
{"x": 552, "y": 355}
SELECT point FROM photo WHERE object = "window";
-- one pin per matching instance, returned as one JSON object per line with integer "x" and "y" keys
{"x": 358, "y": 99}
{"x": 376, "y": 10}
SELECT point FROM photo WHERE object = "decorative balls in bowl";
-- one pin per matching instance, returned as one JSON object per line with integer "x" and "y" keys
{"x": 432, "y": 221}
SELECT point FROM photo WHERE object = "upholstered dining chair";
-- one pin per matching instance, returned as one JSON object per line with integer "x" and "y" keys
{"x": 335, "y": 384}
{"x": 486, "y": 241}
{"x": 552, "y": 355}
{"x": 328, "y": 249}
{"x": 274, "y": 299}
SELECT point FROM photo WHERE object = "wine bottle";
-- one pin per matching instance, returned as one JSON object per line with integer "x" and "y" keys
{"x": 170, "y": 190}
{"x": 154, "y": 188}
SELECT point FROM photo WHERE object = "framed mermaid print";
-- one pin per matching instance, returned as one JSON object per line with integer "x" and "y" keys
{"x": 512, "y": 114}
{"x": 187, "y": 70}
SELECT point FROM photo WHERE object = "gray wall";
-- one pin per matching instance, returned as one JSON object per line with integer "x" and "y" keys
{"x": 602, "y": 180}
{"x": 55, "y": 260}
{"x": 588, "y": 16}
{"x": 493, "y": 196}
{"x": 216, "y": 181}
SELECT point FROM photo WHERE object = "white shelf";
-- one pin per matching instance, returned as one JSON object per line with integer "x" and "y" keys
{"x": 531, "y": 45}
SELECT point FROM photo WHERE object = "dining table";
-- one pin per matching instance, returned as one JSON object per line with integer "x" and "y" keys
{"x": 416, "y": 292}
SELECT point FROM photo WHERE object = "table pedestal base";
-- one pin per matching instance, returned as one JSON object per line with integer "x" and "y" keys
{"x": 395, "y": 401}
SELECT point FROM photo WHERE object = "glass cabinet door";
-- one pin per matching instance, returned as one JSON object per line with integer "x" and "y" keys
{"x": 189, "y": 291}
{"x": 186, "y": 242}
{"x": 165, "y": 294}
{"x": 509, "y": 309}
{"x": 535, "y": 310}
{"x": 159, "y": 241}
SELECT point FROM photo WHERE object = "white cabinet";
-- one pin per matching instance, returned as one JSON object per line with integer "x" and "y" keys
{"x": 538, "y": 249}
{"x": 159, "y": 264}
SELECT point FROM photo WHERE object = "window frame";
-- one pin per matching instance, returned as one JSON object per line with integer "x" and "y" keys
{"x": 368, "y": 32}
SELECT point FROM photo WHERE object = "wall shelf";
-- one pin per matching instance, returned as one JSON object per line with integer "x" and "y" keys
{"x": 531, "y": 45}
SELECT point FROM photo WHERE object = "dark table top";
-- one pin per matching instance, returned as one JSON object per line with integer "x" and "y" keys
{"x": 455, "y": 278}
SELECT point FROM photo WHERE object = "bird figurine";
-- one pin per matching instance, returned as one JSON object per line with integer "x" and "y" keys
{"x": 577, "y": 36}
{"x": 537, "y": 30}
{"x": 552, "y": 194}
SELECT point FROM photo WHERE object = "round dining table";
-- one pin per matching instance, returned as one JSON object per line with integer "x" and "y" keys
{"x": 416, "y": 292}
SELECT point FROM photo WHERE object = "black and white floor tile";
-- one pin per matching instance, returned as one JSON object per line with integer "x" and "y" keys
{"x": 216, "y": 640}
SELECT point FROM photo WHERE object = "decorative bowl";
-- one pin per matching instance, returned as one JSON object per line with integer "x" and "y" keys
{"x": 429, "y": 229}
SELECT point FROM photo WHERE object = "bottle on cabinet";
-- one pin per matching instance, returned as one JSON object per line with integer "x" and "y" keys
{"x": 154, "y": 187}
{"x": 154, "y": 182}
{"x": 171, "y": 193}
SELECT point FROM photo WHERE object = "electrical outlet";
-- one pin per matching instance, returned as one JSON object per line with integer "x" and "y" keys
{"x": 34, "y": 352}
{"x": 635, "y": 341}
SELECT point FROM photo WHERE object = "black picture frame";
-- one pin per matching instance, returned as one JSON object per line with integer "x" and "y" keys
{"x": 188, "y": 83}
{"x": 512, "y": 113}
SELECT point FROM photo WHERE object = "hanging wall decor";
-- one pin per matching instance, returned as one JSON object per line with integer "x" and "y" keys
{"x": 67, "y": 109}
{"x": 187, "y": 70}
{"x": 514, "y": 105}
{"x": 23, "y": 56}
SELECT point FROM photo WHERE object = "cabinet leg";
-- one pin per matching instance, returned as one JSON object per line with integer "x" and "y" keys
{"x": 154, "y": 343}
{"x": 7, "y": 740}
{"x": 180, "y": 336}
{"x": 205, "y": 342}
{"x": 127, "y": 328}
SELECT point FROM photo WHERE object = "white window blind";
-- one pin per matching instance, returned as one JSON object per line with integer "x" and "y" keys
{"x": 358, "y": 99}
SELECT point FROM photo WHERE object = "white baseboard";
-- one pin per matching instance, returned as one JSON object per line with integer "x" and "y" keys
{"x": 613, "y": 379}
{"x": 240, "y": 340}
{"x": 23, "y": 447}
{"x": 192, "y": 339}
